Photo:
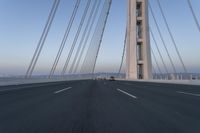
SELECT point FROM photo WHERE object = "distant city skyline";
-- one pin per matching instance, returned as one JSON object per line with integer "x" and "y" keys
{"x": 22, "y": 21}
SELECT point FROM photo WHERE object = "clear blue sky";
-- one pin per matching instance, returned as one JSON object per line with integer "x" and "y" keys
{"x": 22, "y": 21}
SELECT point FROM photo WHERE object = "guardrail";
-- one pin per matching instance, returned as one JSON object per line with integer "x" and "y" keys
{"x": 4, "y": 81}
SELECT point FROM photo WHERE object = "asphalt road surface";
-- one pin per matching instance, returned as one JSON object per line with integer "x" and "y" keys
{"x": 100, "y": 107}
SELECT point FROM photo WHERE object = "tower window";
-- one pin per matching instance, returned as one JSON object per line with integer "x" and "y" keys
{"x": 140, "y": 71}
{"x": 139, "y": 29}
{"x": 139, "y": 9}
{"x": 139, "y": 51}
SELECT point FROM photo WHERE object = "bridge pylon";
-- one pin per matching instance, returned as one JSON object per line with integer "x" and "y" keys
{"x": 138, "y": 50}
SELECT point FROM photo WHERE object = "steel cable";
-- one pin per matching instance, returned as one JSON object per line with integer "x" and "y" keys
{"x": 193, "y": 14}
{"x": 161, "y": 57}
{"x": 76, "y": 38}
{"x": 87, "y": 38}
{"x": 171, "y": 36}
{"x": 123, "y": 53}
{"x": 156, "y": 61}
{"x": 67, "y": 31}
{"x": 89, "y": 61}
{"x": 42, "y": 39}
{"x": 104, "y": 25}
{"x": 83, "y": 35}
{"x": 162, "y": 39}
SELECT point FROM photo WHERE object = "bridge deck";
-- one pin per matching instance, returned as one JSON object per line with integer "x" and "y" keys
{"x": 100, "y": 107}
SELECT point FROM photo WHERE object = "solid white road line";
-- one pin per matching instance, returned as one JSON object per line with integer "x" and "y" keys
{"x": 186, "y": 93}
{"x": 127, "y": 93}
{"x": 56, "y": 92}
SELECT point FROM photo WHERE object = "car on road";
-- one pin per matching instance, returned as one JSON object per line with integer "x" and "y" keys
{"x": 112, "y": 78}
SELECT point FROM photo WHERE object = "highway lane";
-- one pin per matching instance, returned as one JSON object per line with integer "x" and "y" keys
{"x": 179, "y": 111}
{"x": 100, "y": 107}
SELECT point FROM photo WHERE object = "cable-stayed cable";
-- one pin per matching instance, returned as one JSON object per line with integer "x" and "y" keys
{"x": 161, "y": 57}
{"x": 65, "y": 37}
{"x": 154, "y": 70}
{"x": 162, "y": 39}
{"x": 42, "y": 44}
{"x": 89, "y": 63}
{"x": 123, "y": 53}
{"x": 95, "y": 3}
{"x": 193, "y": 14}
{"x": 76, "y": 37}
{"x": 42, "y": 39}
{"x": 104, "y": 26}
{"x": 171, "y": 36}
{"x": 156, "y": 61}
{"x": 87, "y": 38}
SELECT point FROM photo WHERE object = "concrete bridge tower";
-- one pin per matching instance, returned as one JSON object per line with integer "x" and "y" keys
{"x": 138, "y": 51}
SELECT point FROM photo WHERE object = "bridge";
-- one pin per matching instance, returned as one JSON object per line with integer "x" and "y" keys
{"x": 152, "y": 87}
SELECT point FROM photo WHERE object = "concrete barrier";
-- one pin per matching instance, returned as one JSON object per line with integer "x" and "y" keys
{"x": 184, "y": 82}
{"x": 19, "y": 81}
